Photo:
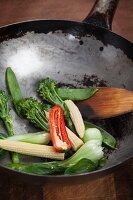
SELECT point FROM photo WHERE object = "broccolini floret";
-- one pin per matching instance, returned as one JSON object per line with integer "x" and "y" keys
{"x": 34, "y": 111}
{"x": 7, "y": 118}
{"x": 47, "y": 90}
{"x": 5, "y": 112}
{"x": 4, "y": 105}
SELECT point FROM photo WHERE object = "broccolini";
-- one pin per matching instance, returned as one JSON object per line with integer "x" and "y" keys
{"x": 31, "y": 109}
{"x": 7, "y": 118}
{"x": 47, "y": 90}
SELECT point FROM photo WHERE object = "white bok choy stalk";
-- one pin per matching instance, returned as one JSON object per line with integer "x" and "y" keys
{"x": 34, "y": 138}
{"x": 93, "y": 134}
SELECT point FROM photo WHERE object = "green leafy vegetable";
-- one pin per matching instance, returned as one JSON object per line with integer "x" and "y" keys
{"x": 13, "y": 86}
{"x": 90, "y": 150}
{"x": 82, "y": 166}
{"x": 34, "y": 138}
{"x": 108, "y": 140}
{"x": 47, "y": 90}
{"x": 39, "y": 168}
{"x": 31, "y": 109}
{"x": 92, "y": 134}
{"x": 7, "y": 118}
{"x": 76, "y": 94}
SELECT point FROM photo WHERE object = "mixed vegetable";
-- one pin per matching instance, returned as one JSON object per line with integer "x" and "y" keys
{"x": 64, "y": 136}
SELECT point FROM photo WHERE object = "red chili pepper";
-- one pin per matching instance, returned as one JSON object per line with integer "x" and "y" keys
{"x": 58, "y": 131}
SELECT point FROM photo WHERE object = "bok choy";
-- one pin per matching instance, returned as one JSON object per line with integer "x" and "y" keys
{"x": 91, "y": 151}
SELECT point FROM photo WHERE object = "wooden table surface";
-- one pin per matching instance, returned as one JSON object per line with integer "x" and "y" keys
{"x": 115, "y": 186}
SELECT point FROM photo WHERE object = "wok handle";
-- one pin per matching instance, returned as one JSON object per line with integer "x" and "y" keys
{"x": 102, "y": 13}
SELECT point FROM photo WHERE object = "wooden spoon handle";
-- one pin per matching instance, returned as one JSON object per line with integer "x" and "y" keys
{"x": 107, "y": 102}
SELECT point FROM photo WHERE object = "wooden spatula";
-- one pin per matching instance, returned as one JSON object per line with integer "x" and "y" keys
{"x": 107, "y": 102}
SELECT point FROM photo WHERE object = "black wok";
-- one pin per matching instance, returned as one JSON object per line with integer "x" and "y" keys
{"x": 96, "y": 56}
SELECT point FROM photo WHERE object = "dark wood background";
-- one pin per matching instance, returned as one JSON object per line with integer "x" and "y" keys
{"x": 115, "y": 186}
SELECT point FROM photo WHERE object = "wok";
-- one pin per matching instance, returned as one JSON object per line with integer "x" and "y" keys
{"x": 95, "y": 57}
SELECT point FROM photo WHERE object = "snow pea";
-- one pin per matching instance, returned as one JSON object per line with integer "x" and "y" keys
{"x": 76, "y": 94}
{"x": 13, "y": 87}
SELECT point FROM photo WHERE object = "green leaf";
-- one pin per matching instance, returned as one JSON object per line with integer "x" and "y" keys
{"x": 13, "y": 86}
{"x": 108, "y": 140}
{"x": 38, "y": 168}
{"x": 76, "y": 94}
{"x": 83, "y": 166}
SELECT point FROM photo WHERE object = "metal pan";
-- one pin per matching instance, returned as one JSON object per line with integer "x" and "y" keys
{"x": 97, "y": 56}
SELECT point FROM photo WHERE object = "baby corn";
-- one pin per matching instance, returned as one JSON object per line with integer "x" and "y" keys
{"x": 75, "y": 141}
{"x": 76, "y": 118}
{"x": 31, "y": 149}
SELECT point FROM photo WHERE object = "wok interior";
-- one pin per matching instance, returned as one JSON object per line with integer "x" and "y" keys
{"x": 78, "y": 62}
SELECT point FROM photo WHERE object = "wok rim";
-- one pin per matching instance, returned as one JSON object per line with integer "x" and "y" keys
{"x": 64, "y": 21}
